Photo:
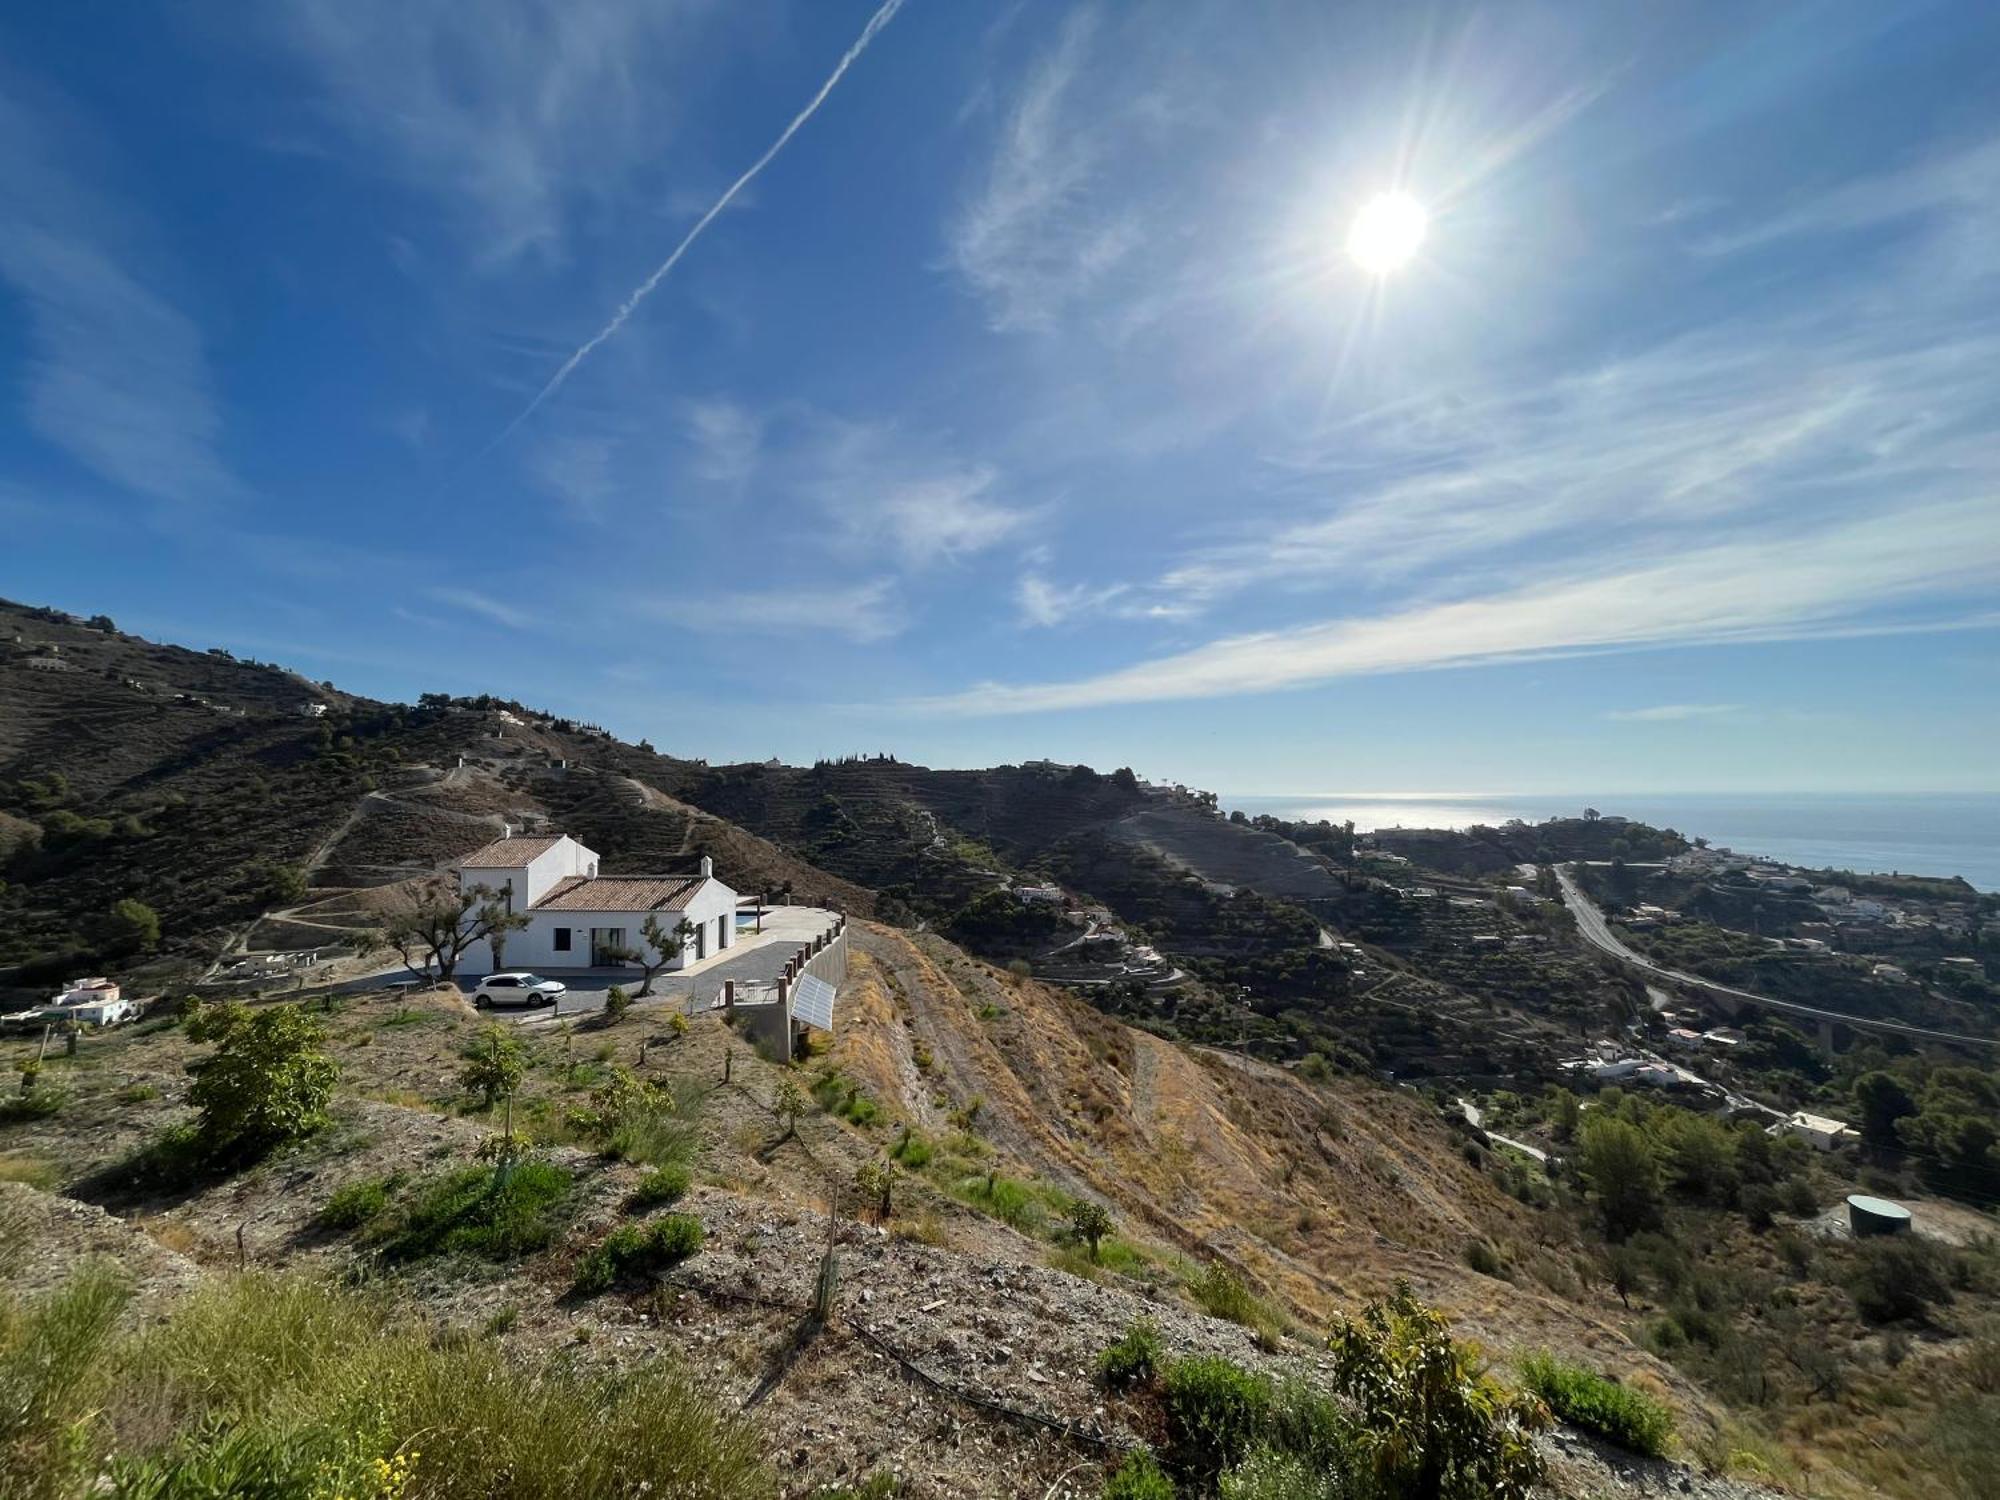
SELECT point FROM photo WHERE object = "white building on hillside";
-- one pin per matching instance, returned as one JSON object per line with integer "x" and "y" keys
{"x": 1817, "y": 1130}
{"x": 578, "y": 919}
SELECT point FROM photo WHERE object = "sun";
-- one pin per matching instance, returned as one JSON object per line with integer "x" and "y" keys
{"x": 1387, "y": 233}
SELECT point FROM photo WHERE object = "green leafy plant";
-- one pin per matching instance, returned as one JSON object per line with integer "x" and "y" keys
{"x": 358, "y": 1202}
{"x": 1139, "y": 1477}
{"x": 266, "y": 1084}
{"x": 494, "y": 1065}
{"x": 1598, "y": 1405}
{"x": 1090, "y": 1222}
{"x": 659, "y": 1186}
{"x": 1134, "y": 1359}
{"x": 1432, "y": 1422}
{"x": 1216, "y": 1411}
{"x": 633, "y": 1250}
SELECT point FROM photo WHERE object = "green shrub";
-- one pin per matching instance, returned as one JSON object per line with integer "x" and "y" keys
{"x": 357, "y": 1203}
{"x": 267, "y": 1082}
{"x": 1138, "y": 1478}
{"x": 1271, "y": 1474}
{"x": 1431, "y": 1421}
{"x": 1007, "y": 1200}
{"x": 1134, "y": 1359}
{"x": 500, "y": 1213}
{"x": 1898, "y": 1278}
{"x": 661, "y": 1185}
{"x": 137, "y": 1093}
{"x": 913, "y": 1151}
{"x": 634, "y": 1250}
{"x": 1599, "y": 1405}
{"x": 1221, "y": 1293}
{"x": 616, "y": 1004}
{"x": 1483, "y": 1258}
{"x": 1216, "y": 1411}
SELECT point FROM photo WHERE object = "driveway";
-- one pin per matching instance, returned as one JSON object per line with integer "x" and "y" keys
{"x": 755, "y": 959}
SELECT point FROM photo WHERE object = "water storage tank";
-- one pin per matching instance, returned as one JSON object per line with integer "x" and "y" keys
{"x": 1868, "y": 1215}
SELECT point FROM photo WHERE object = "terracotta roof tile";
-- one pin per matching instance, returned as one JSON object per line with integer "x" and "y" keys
{"x": 621, "y": 893}
{"x": 509, "y": 854}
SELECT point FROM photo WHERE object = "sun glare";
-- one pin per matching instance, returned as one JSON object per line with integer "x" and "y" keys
{"x": 1387, "y": 233}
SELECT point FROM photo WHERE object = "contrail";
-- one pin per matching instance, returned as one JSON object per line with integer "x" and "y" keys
{"x": 630, "y": 305}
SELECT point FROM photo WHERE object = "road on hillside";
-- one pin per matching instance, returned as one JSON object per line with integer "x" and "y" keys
{"x": 1597, "y": 932}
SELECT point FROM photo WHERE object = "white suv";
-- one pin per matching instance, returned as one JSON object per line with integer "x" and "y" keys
{"x": 518, "y": 989}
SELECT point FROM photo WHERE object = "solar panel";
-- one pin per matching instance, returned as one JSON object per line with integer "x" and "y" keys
{"x": 812, "y": 1002}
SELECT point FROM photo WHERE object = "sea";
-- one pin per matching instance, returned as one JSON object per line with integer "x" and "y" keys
{"x": 1915, "y": 833}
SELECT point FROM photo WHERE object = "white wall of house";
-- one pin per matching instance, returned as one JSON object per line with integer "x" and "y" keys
{"x": 557, "y": 940}
{"x": 530, "y": 882}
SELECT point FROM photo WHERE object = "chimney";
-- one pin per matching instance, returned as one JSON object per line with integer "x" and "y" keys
{"x": 707, "y": 867}
{"x": 506, "y": 830}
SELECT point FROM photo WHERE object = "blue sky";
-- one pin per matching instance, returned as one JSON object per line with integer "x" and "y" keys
{"x": 1025, "y": 401}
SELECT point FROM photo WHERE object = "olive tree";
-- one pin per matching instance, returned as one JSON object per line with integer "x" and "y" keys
{"x": 437, "y": 928}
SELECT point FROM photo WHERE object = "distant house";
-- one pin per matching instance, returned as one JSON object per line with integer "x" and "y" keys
{"x": 1820, "y": 1132}
{"x": 580, "y": 919}
{"x": 1723, "y": 1036}
{"x": 1681, "y": 1036}
{"x": 312, "y": 710}
{"x": 1890, "y": 973}
{"x": 95, "y": 1002}
{"x": 1042, "y": 895}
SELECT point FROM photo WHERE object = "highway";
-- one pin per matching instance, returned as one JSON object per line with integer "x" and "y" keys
{"x": 1597, "y": 932}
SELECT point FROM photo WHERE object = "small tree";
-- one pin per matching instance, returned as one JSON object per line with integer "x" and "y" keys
{"x": 1089, "y": 1222}
{"x": 664, "y": 943}
{"x": 496, "y": 1066}
{"x": 438, "y": 927}
{"x": 616, "y": 1004}
{"x": 788, "y": 1104}
{"x": 132, "y": 927}
{"x": 1434, "y": 1424}
{"x": 266, "y": 1083}
{"x": 1619, "y": 1165}
{"x": 876, "y": 1182}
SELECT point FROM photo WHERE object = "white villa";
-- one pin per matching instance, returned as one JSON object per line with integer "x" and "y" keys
{"x": 578, "y": 919}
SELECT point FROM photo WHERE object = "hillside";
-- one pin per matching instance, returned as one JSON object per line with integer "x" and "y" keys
{"x": 1228, "y": 1076}
{"x": 1318, "y": 1197}
{"x": 203, "y": 788}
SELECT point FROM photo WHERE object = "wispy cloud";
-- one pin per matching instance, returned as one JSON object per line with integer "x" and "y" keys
{"x": 1786, "y": 585}
{"x": 1967, "y": 178}
{"x": 1671, "y": 713}
{"x": 496, "y": 610}
{"x": 507, "y": 114}
{"x": 578, "y": 468}
{"x": 882, "y": 17}
{"x": 863, "y": 614}
{"x": 119, "y": 377}
{"x": 727, "y": 440}
{"x": 899, "y": 496}
{"x": 1024, "y": 241}
{"x": 1043, "y": 605}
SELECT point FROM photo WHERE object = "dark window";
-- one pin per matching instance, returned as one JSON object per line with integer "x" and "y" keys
{"x": 562, "y": 940}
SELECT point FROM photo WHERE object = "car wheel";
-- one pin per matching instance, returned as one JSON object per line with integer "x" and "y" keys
{"x": 480, "y": 1002}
